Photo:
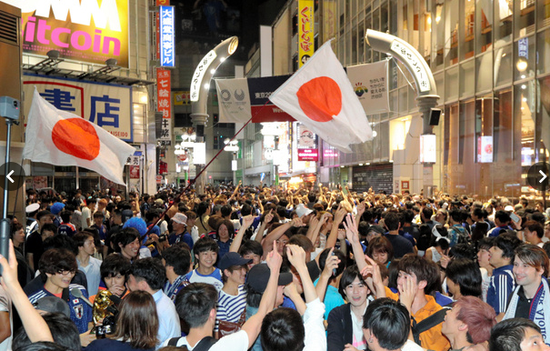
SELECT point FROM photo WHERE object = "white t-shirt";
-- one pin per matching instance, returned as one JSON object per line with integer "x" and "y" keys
{"x": 411, "y": 346}
{"x": 6, "y": 306}
{"x": 234, "y": 342}
{"x": 86, "y": 214}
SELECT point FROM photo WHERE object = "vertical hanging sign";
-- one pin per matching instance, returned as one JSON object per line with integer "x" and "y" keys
{"x": 167, "y": 41}
{"x": 164, "y": 105}
{"x": 157, "y": 25}
{"x": 306, "y": 31}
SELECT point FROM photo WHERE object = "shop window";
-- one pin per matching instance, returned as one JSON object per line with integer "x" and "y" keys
{"x": 484, "y": 25}
{"x": 503, "y": 12}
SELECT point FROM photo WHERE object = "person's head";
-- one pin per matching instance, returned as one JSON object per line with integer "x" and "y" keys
{"x": 126, "y": 242}
{"x": 502, "y": 251}
{"x": 146, "y": 274}
{"x": 282, "y": 329}
{"x": 502, "y": 218}
{"x": 463, "y": 278}
{"x": 114, "y": 271}
{"x": 99, "y": 217}
{"x": 517, "y": 334}
{"x": 137, "y": 321}
{"x": 530, "y": 264}
{"x": 17, "y": 234}
{"x": 85, "y": 243}
{"x": 225, "y": 230}
{"x": 44, "y": 217}
{"x": 234, "y": 268}
{"x": 380, "y": 249}
{"x": 386, "y": 325}
{"x": 256, "y": 283}
{"x": 65, "y": 216}
{"x": 196, "y": 304}
{"x": 341, "y": 266}
{"x": 441, "y": 216}
{"x": 179, "y": 223}
{"x": 304, "y": 242}
{"x": 152, "y": 215}
{"x": 352, "y": 287}
{"x": 252, "y": 250}
{"x": 64, "y": 333}
{"x": 483, "y": 253}
{"x": 177, "y": 259}
{"x": 426, "y": 214}
{"x": 206, "y": 252}
{"x": 533, "y": 231}
{"x": 48, "y": 230}
{"x": 58, "y": 266}
{"x": 414, "y": 267}
{"x": 392, "y": 221}
{"x": 374, "y": 231}
{"x": 472, "y": 317}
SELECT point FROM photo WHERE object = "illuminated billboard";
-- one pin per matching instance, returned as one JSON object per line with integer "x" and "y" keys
{"x": 87, "y": 30}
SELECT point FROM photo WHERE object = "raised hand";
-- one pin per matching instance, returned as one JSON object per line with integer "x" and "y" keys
{"x": 351, "y": 229}
{"x": 331, "y": 263}
{"x": 296, "y": 255}
{"x": 274, "y": 259}
{"x": 247, "y": 221}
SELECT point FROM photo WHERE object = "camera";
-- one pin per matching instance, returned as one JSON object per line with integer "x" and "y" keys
{"x": 9, "y": 107}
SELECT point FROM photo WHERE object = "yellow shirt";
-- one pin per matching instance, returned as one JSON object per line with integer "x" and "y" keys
{"x": 431, "y": 339}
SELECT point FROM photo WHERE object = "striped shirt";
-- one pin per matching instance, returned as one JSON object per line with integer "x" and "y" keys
{"x": 500, "y": 288}
{"x": 230, "y": 307}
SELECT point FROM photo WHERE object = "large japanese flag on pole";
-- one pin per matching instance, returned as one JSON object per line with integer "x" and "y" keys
{"x": 321, "y": 96}
{"x": 63, "y": 139}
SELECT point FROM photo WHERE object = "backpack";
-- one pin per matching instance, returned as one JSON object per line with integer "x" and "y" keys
{"x": 425, "y": 237}
{"x": 427, "y": 324}
{"x": 204, "y": 345}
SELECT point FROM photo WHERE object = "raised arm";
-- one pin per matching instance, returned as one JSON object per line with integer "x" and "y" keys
{"x": 297, "y": 257}
{"x": 260, "y": 234}
{"x": 253, "y": 325}
{"x": 353, "y": 237}
{"x": 237, "y": 241}
{"x": 338, "y": 218}
{"x": 35, "y": 326}
{"x": 331, "y": 263}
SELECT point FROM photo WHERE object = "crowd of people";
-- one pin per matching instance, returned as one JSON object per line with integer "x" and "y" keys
{"x": 267, "y": 268}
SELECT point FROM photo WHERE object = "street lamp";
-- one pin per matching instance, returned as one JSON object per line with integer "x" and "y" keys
{"x": 272, "y": 131}
{"x": 200, "y": 86}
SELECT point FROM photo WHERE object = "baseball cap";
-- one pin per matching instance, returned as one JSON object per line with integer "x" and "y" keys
{"x": 258, "y": 276}
{"x": 159, "y": 202}
{"x": 56, "y": 208}
{"x": 180, "y": 218}
{"x": 301, "y": 210}
{"x": 32, "y": 208}
{"x": 232, "y": 259}
{"x": 53, "y": 304}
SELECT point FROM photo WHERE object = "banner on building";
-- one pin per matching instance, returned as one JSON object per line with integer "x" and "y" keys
{"x": 108, "y": 106}
{"x": 182, "y": 98}
{"x": 370, "y": 83}
{"x": 91, "y": 31}
{"x": 306, "y": 138}
{"x": 243, "y": 98}
{"x": 164, "y": 105}
{"x": 306, "y": 32}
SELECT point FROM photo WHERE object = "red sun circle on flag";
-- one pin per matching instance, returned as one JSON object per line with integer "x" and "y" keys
{"x": 76, "y": 137}
{"x": 320, "y": 99}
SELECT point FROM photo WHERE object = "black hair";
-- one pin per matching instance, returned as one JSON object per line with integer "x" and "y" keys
{"x": 60, "y": 242}
{"x": 151, "y": 214}
{"x": 151, "y": 270}
{"x": 50, "y": 227}
{"x": 99, "y": 214}
{"x": 508, "y": 334}
{"x": 194, "y": 303}
{"x": 226, "y": 210}
{"x": 124, "y": 237}
{"x": 389, "y": 322}
{"x": 507, "y": 243}
{"x": 502, "y": 216}
{"x": 179, "y": 258}
{"x": 65, "y": 216}
{"x": 41, "y": 214}
{"x": 407, "y": 216}
{"x": 348, "y": 276}
{"x": 391, "y": 220}
{"x": 56, "y": 260}
{"x": 341, "y": 266}
{"x": 64, "y": 333}
{"x": 114, "y": 264}
{"x": 251, "y": 246}
{"x": 466, "y": 274}
{"x": 205, "y": 244}
{"x": 282, "y": 329}
{"x": 43, "y": 346}
{"x": 80, "y": 239}
{"x": 463, "y": 250}
{"x": 202, "y": 207}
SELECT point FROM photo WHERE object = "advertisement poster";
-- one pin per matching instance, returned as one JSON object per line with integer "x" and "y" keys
{"x": 306, "y": 32}
{"x": 88, "y": 30}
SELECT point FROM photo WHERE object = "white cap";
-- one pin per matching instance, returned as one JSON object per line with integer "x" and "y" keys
{"x": 509, "y": 208}
{"x": 301, "y": 210}
{"x": 180, "y": 218}
{"x": 32, "y": 208}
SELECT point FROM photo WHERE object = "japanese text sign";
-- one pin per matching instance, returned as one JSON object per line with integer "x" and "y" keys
{"x": 306, "y": 45}
{"x": 167, "y": 39}
{"x": 108, "y": 106}
{"x": 164, "y": 104}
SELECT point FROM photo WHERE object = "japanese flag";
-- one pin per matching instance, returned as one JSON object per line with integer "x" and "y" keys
{"x": 63, "y": 139}
{"x": 321, "y": 96}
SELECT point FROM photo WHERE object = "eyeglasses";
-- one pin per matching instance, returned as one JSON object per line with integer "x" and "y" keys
{"x": 64, "y": 272}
